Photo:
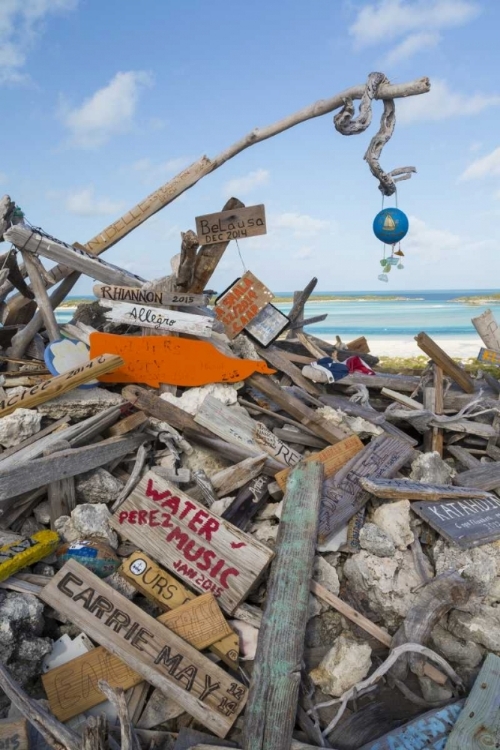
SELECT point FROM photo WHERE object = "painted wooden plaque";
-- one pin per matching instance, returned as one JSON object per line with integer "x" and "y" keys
{"x": 267, "y": 325}
{"x": 466, "y": 523}
{"x": 239, "y": 304}
{"x": 488, "y": 356}
{"x": 66, "y": 354}
{"x": 18, "y": 555}
{"x": 333, "y": 458}
{"x": 149, "y": 296}
{"x": 176, "y": 361}
{"x": 343, "y": 494}
{"x": 167, "y": 321}
{"x": 231, "y": 225}
{"x": 14, "y": 735}
{"x": 146, "y": 646}
{"x": 154, "y": 583}
{"x": 203, "y": 550}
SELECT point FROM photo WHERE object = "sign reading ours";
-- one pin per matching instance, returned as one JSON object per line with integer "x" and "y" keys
{"x": 231, "y": 225}
{"x": 203, "y": 550}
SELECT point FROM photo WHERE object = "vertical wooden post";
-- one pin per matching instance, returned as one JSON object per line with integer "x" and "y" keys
{"x": 293, "y": 332}
{"x": 61, "y": 494}
{"x": 272, "y": 702}
{"x": 41, "y": 296}
{"x": 437, "y": 433}
{"x": 430, "y": 404}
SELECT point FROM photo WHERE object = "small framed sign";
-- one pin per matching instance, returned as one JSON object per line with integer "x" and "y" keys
{"x": 267, "y": 325}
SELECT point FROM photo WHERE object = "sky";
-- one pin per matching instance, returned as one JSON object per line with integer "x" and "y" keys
{"x": 103, "y": 102}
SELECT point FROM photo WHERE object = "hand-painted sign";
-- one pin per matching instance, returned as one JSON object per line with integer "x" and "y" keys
{"x": 200, "y": 548}
{"x": 489, "y": 356}
{"x": 18, "y": 555}
{"x": 267, "y": 325}
{"x": 166, "y": 359}
{"x": 14, "y": 735}
{"x": 149, "y": 296}
{"x": 239, "y": 304}
{"x": 161, "y": 320}
{"x": 466, "y": 523}
{"x": 231, "y": 225}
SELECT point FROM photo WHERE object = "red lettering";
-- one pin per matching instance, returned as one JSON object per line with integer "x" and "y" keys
{"x": 172, "y": 503}
{"x": 192, "y": 556}
{"x": 206, "y": 530}
{"x": 208, "y": 557}
{"x": 123, "y": 516}
{"x": 157, "y": 496}
{"x": 152, "y": 518}
{"x": 132, "y": 516}
{"x": 143, "y": 517}
{"x": 177, "y": 534}
{"x": 199, "y": 517}
{"x": 225, "y": 575}
{"x": 188, "y": 506}
{"x": 166, "y": 523}
{"x": 217, "y": 568}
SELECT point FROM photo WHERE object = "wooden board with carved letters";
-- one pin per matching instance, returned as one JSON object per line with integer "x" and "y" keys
{"x": 239, "y": 304}
{"x": 166, "y": 321}
{"x": 235, "y": 224}
{"x": 204, "y": 551}
{"x": 14, "y": 735}
{"x": 148, "y": 296}
{"x": 465, "y": 522}
{"x": 146, "y": 646}
{"x": 333, "y": 458}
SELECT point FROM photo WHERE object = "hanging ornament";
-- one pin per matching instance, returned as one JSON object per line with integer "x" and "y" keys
{"x": 390, "y": 225}
{"x": 382, "y": 277}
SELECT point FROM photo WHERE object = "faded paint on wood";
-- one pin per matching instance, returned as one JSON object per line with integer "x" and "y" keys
{"x": 407, "y": 489}
{"x": 239, "y": 304}
{"x": 488, "y": 356}
{"x": 333, "y": 458}
{"x": 149, "y": 296}
{"x": 203, "y": 550}
{"x": 484, "y": 477}
{"x": 160, "y": 656}
{"x": 467, "y": 523}
{"x": 166, "y": 321}
{"x": 231, "y": 225}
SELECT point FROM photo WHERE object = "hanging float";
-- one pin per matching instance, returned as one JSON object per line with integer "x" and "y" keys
{"x": 390, "y": 226}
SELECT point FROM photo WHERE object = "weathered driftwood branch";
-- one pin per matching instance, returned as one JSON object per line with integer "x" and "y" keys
{"x": 41, "y": 296}
{"x": 296, "y": 314}
{"x": 116, "y": 696}
{"x": 189, "y": 246}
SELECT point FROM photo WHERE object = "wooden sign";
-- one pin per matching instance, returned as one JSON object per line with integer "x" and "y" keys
{"x": 160, "y": 656}
{"x": 154, "y": 583}
{"x": 75, "y": 257}
{"x": 407, "y": 489}
{"x": 488, "y": 356}
{"x": 200, "y": 622}
{"x": 201, "y": 549}
{"x": 466, "y": 523}
{"x": 247, "y": 503}
{"x": 18, "y": 555}
{"x": 267, "y": 325}
{"x": 167, "y": 321}
{"x": 14, "y": 735}
{"x": 66, "y": 354}
{"x": 53, "y": 387}
{"x": 239, "y": 304}
{"x": 343, "y": 494}
{"x": 333, "y": 458}
{"x": 149, "y": 297}
{"x": 276, "y": 448}
{"x": 176, "y": 361}
{"x": 231, "y": 225}
{"x": 428, "y": 731}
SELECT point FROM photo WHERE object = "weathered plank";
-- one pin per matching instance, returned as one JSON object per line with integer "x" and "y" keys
{"x": 160, "y": 656}
{"x": 18, "y": 555}
{"x": 239, "y": 304}
{"x": 487, "y": 327}
{"x": 485, "y": 477}
{"x": 208, "y": 256}
{"x": 149, "y": 296}
{"x": 274, "y": 446}
{"x": 407, "y": 489}
{"x": 14, "y": 735}
{"x": 208, "y": 553}
{"x": 247, "y": 503}
{"x": 234, "y": 224}
{"x": 488, "y": 356}
{"x": 343, "y": 494}
{"x": 167, "y": 321}
{"x": 61, "y": 493}
{"x": 127, "y": 424}
{"x": 478, "y": 725}
{"x": 332, "y": 458}
{"x": 466, "y": 523}
{"x": 276, "y": 359}
{"x": 76, "y": 258}
{"x": 440, "y": 358}
{"x": 400, "y": 398}
{"x": 200, "y": 621}
{"x": 403, "y": 383}
{"x": 272, "y": 701}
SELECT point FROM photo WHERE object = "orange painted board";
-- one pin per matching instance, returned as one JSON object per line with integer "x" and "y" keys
{"x": 175, "y": 361}
{"x": 333, "y": 458}
{"x": 239, "y": 305}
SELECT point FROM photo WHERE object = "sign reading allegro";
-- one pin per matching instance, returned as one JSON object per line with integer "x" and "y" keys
{"x": 208, "y": 553}
{"x": 235, "y": 224}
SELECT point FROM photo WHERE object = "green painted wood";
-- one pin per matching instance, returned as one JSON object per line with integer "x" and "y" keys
{"x": 478, "y": 726}
{"x": 272, "y": 702}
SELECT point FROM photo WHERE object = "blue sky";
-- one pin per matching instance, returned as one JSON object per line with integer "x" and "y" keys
{"x": 105, "y": 101}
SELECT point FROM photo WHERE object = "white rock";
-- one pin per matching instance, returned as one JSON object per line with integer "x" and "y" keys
{"x": 431, "y": 469}
{"x": 87, "y": 521}
{"x": 482, "y": 628}
{"x": 248, "y": 637}
{"x": 192, "y": 399}
{"x": 42, "y": 512}
{"x": 475, "y": 564}
{"x": 203, "y": 458}
{"x": 344, "y": 665}
{"x": 268, "y": 512}
{"x": 9, "y": 537}
{"x": 80, "y": 403}
{"x": 464, "y": 653}
{"x": 376, "y": 541}
{"x": 335, "y": 542}
{"x": 394, "y": 519}
{"x": 326, "y": 575}
{"x": 97, "y": 486}
{"x": 264, "y": 531}
{"x": 221, "y": 505}
{"x": 18, "y": 426}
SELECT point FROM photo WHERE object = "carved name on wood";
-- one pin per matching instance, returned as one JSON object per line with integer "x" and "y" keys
{"x": 241, "y": 303}
{"x": 14, "y": 735}
{"x": 153, "y": 582}
{"x": 332, "y": 458}
{"x": 466, "y": 523}
{"x": 406, "y": 489}
{"x": 147, "y": 646}
{"x": 165, "y": 359}
{"x": 167, "y": 321}
{"x": 148, "y": 296}
{"x": 231, "y": 225}
{"x": 343, "y": 494}
{"x": 200, "y": 548}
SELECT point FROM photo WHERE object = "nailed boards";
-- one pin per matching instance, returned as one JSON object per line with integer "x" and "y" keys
{"x": 200, "y": 548}
{"x": 147, "y": 647}
{"x": 231, "y": 225}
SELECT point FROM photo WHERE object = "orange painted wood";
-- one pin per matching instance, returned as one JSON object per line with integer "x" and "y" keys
{"x": 176, "y": 361}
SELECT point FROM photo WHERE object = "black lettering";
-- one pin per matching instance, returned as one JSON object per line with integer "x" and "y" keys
{"x": 69, "y": 578}
{"x": 86, "y": 596}
{"x": 139, "y": 638}
{"x": 209, "y": 688}
{"x": 188, "y": 674}
{"x": 118, "y": 620}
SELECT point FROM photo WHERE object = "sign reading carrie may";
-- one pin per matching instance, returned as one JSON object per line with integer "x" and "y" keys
{"x": 231, "y": 225}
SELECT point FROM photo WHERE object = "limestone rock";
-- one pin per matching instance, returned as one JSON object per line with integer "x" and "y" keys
{"x": 394, "y": 519}
{"x": 8, "y": 537}
{"x": 30, "y": 527}
{"x": 244, "y": 348}
{"x": 192, "y": 398}
{"x": 264, "y": 531}
{"x": 80, "y": 403}
{"x": 42, "y": 512}
{"x": 18, "y": 426}
{"x": 203, "y": 458}
{"x": 326, "y": 575}
{"x": 432, "y": 692}
{"x": 323, "y": 629}
{"x": 431, "y": 469}
{"x": 456, "y": 650}
{"x": 376, "y": 541}
{"x": 87, "y": 521}
{"x": 345, "y": 664}
{"x": 248, "y": 636}
{"x": 482, "y": 628}
{"x": 21, "y": 624}
{"x": 386, "y": 583}
{"x": 221, "y": 505}
{"x": 475, "y": 564}
{"x": 97, "y": 486}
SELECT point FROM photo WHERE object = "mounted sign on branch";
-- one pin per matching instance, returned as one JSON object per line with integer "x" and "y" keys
{"x": 239, "y": 304}
{"x": 231, "y": 225}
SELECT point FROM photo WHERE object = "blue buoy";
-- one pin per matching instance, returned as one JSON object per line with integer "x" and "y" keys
{"x": 390, "y": 225}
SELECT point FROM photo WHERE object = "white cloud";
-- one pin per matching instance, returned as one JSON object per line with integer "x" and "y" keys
{"x": 305, "y": 253}
{"x": 487, "y": 165}
{"x": 246, "y": 184}
{"x": 21, "y": 24}
{"x": 433, "y": 247}
{"x": 441, "y": 103}
{"x": 412, "y": 44}
{"x": 299, "y": 223}
{"x": 108, "y": 111}
{"x": 152, "y": 170}
{"x": 84, "y": 203}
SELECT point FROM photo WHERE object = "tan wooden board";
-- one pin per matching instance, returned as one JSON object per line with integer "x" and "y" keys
{"x": 271, "y": 444}
{"x": 200, "y": 622}
{"x": 235, "y": 224}
{"x": 203, "y": 550}
{"x": 127, "y": 424}
{"x": 146, "y": 646}
{"x": 166, "y": 321}
{"x": 241, "y": 303}
{"x": 14, "y": 735}
{"x": 332, "y": 458}
{"x": 149, "y": 296}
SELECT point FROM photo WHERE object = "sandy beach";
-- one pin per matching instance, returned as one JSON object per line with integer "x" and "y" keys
{"x": 464, "y": 348}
